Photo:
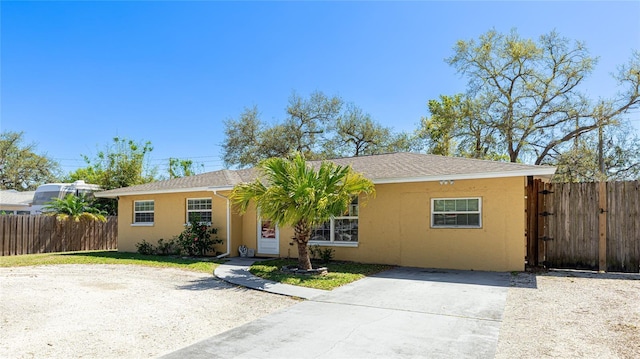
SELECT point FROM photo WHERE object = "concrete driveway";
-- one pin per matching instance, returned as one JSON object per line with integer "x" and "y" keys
{"x": 400, "y": 313}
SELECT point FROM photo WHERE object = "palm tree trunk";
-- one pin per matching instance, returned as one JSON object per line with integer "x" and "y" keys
{"x": 304, "y": 262}
{"x": 303, "y": 231}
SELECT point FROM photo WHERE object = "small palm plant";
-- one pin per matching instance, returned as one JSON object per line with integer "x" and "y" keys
{"x": 290, "y": 192}
{"x": 70, "y": 212}
{"x": 75, "y": 208}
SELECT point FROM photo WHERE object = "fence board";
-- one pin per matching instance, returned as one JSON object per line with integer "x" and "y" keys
{"x": 532, "y": 226}
{"x": 574, "y": 226}
{"x": 17, "y": 246}
{"x": 30, "y": 234}
{"x": 550, "y": 227}
{"x": 623, "y": 237}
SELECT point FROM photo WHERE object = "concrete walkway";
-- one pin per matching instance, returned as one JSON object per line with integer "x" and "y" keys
{"x": 400, "y": 313}
{"x": 236, "y": 271}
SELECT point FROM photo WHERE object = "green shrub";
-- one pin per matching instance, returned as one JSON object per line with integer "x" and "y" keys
{"x": 324, "y": 255}
{"x": 196, "y": 239}
{"x": 166, "y": 248}
{"x": 145, "y": 247}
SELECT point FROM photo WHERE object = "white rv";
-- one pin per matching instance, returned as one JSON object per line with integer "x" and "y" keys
{"x": 47, "y": 192}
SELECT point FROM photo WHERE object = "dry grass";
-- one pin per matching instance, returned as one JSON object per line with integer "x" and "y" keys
{"x": 571, "y": 314}
{"x": 204, "y": 264}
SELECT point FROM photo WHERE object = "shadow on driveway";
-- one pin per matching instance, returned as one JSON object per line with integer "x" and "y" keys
{"x": 400, "y": 313}
{"x": 209, "y": 283}
{"x": 498, "y": 279}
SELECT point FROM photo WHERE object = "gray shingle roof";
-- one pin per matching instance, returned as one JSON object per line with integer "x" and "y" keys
{"x": 386, "y": 168}
{"x": 15, "y": 198}
{"x": 398, "y": 166}
{"x": 202, "y": 182}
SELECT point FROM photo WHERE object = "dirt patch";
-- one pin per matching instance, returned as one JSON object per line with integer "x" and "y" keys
{"x": 571, "y": 315}
{"x": 115, "y": 311}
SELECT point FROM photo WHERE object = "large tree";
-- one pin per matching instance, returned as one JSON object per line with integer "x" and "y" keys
{"x": 242, "y": 139}
{"x": 319, "y": 127}
{"x": 182, "y": 168}
{"x": 248, "y": 140}
{"x": 616, "y": 145}
{"x": 523, "y": 99}
{"x": 613, "y": 153}
{"x": 529, "y": 89}
{"x": 308, "y": 119}
{"x": 290, "y": 192}
{"x": 356, "y": 133}
{"x": 21, "y": 168}
{"x": 120, "y": 164}
{"x": 458, "y": 126}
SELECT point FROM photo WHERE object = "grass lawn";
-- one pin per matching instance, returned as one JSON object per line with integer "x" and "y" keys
{"x": 340, "y": 273}
{"x": 205, "y": 265}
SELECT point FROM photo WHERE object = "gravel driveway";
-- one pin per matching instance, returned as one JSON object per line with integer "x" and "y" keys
{"x": 571, "y": 314}
{"x": 117, "y": 311}
{"x": 114, "y": 311}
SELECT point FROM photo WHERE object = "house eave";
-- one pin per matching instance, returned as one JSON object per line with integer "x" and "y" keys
{"x": 162, "y": 191}
{"x": 538, "y": 172}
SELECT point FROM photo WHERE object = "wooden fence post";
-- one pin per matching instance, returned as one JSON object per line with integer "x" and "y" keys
{"x": 541, "y": 215}
{"x": 532, "y": 223}
{"x": 602, "y": 227}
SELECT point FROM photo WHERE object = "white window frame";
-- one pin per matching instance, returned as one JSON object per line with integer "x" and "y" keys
{"x": 14, "y": 212}
{"x": 332, "y": 228}
{"x": 199, "y": 210}
{"x": 135, "y": 223}
{"x": 434, "y": 212}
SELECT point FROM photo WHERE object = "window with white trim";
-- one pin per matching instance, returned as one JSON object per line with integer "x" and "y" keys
{"x": 143, "y": 212}
{"x": 199, "y": 209}
{"x": 456, "y": 212}
{"x": 343, "y": 229}
{"x": 14, "y": 212}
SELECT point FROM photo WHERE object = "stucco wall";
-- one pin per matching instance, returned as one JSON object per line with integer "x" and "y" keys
{"x": 250, "y": 232}
{"x": 250, "y": 228}
{"x": 169, "y": 218}
{"x": 394, "y": 227}
{"x": 397, "y": 225}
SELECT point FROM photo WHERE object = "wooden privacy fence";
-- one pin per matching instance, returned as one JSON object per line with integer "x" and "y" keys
{"x": 32, "y": 234}
{"x": 587, "y": 225}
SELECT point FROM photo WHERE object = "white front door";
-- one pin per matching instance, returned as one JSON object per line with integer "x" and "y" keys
{"x": 268, "y": 237}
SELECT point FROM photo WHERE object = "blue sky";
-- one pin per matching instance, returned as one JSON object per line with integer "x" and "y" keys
{"x": 76, "y": 74}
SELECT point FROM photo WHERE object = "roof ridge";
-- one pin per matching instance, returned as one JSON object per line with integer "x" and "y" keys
{"x": 231, "y": 176}
{"x": 359, "y": 156}
{"x": 381, "y": 168}
{"x": 455, "y": 158}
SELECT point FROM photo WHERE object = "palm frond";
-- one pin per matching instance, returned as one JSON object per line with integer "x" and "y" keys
{"x": 76, "y": 208}
{"x": 289, "y": 191}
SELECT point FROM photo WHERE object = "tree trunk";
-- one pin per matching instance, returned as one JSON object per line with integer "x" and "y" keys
{"x": 303, "y": 231}
{"x": 304, "y": 261}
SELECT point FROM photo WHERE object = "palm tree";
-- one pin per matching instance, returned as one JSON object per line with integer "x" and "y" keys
{"x": 291, "y": 193}
{"x": 76, "y": 208}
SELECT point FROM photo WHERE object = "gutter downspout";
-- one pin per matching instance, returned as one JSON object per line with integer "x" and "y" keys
{"x": 215, "y": 193}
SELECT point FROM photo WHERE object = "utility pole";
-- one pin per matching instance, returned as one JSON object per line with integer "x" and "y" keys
{"x": 602, "y": 198}
{"x": 575, "y": 139}
{"x": 171, "y": 171}
{"x": 600, "y": 117}
{"x": 600, "y": 149}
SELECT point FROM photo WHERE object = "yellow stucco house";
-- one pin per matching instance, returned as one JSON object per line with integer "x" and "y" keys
{"x": 429, "y": 211}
